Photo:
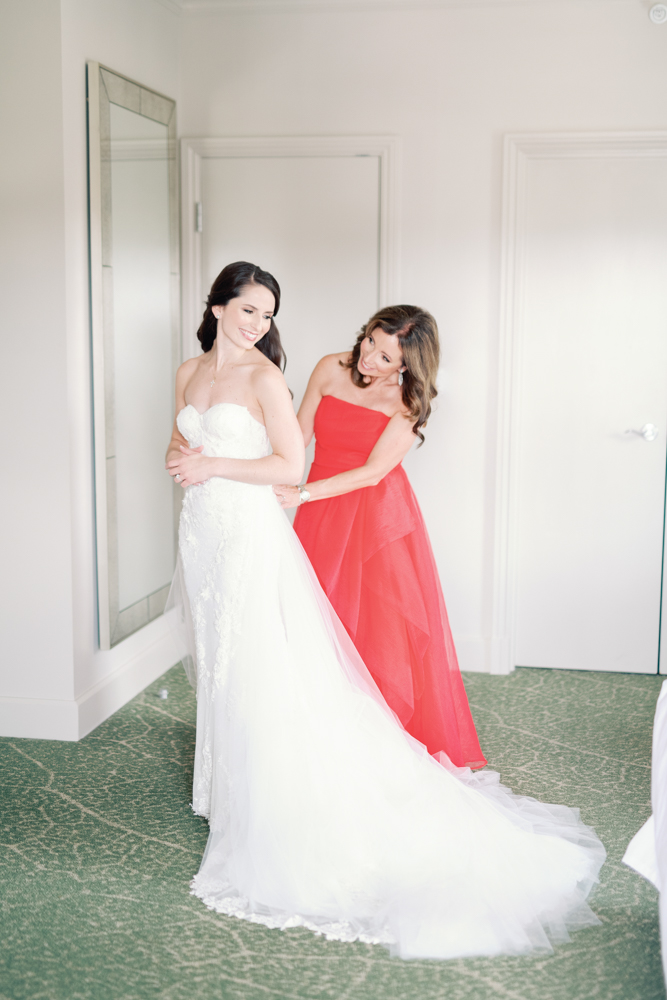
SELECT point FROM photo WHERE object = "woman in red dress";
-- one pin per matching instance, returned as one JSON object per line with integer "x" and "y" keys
{"x": 363, "y": 531}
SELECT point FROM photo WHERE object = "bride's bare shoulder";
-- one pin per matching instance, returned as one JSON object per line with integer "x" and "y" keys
{"x": 190, "y": 366}
{"x": 263, "y": 373}
{"x": 185, "y": 371}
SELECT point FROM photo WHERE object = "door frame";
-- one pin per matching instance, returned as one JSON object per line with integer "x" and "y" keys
{"x": 385, "y": 147}
{"x": 519, "y": 150}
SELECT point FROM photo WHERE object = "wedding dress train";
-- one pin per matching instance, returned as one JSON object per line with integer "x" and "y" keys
{"x": 323, "y": 811}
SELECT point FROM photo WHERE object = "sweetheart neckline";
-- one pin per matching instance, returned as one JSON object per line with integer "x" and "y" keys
{"x": 208, "y": 410}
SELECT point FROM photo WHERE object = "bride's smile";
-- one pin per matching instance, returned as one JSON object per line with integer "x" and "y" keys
{"x": 243, "y": 321}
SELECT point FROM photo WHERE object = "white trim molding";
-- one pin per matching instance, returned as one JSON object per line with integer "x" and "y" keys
{"x": 473, "y": 653}
{"x": 519, "y": 151}
{"x": 155, "y": 650}
{"x": 147, "y": 655}
{"x": 194, "y": 7}
{"x": 193, "y": 151}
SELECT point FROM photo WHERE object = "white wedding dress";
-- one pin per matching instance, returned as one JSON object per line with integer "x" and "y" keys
{"x": 323, "y": 812}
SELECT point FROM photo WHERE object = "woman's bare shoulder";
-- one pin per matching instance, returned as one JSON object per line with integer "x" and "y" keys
{"x": 185, "y": 371}
{"x": 403, "y": 418}
{"x": 332, "y": 361}
{"x": 189, "y": 367}
{"x": 330, "y": 367}
{"x": 264, "y": 374}
{"x": 259, "y": 361}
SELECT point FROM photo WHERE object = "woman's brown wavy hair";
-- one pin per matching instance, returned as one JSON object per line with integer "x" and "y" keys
{"x": 227, "y": 286}
{"x": 417, "y": 334}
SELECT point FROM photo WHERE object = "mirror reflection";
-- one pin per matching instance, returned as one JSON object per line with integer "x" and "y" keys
{"x": 134, "y": 253}
{"x": 142, "y": 351}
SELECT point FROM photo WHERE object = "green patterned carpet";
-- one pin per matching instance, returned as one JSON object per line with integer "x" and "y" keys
{"x": 99, "y": 843}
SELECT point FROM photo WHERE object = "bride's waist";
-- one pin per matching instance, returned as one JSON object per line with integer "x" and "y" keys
{"x": 216, "y": 484}
{"x": 223, "y": 498}
{"x": 217, "y": 493}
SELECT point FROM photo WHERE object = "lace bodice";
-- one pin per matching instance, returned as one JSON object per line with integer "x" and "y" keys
{"x": 216, "y": 525}
{"x": 226, "y": 430}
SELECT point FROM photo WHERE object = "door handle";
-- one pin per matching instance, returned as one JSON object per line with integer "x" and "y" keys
{"x": 649, "y": 432}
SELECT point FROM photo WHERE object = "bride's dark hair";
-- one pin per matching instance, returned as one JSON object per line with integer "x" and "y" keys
{"x": 227, "y": 286}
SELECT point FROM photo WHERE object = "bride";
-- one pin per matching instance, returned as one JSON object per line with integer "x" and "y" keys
{"x": 323, "y": 811}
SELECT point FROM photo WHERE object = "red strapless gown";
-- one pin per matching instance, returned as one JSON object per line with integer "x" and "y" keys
{"x": 374, "y": 560}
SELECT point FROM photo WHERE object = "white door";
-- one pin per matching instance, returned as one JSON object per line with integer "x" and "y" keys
{"x": 313, "y": 222}
{"x": 590, "y": 491}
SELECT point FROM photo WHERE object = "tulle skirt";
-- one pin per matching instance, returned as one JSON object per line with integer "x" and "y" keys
{"x": 323, "y": 811}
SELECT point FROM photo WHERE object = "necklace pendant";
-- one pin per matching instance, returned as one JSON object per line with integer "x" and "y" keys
{"x": 212, "y": 383}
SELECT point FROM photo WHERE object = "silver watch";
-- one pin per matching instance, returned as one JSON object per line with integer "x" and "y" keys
{"x": 304, "y": 494}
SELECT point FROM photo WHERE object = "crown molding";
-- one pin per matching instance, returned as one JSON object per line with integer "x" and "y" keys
{"x": 190, "y": 7}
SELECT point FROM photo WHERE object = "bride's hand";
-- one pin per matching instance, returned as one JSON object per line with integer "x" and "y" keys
{"x": 190, "y": 470}
{"x": 287, "y": 496}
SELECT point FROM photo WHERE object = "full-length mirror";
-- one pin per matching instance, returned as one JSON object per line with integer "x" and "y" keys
{"x": 134, "y": 271}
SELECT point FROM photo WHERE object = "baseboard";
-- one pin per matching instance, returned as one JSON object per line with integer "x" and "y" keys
{"x": 472, "y": 653}
{"x": 483, "y": 656}
{"x": 52, "y": 719}
{"x": 49, "y": 719}
{"x": 39, "y": 719}
{"x": 127, "y": 681}
{"x": 501, "y": 656}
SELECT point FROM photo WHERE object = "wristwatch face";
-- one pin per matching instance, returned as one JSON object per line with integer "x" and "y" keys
{"x": 305, "y": 495}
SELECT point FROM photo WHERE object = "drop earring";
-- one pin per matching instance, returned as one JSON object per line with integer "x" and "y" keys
{"x": 400, "y": 378}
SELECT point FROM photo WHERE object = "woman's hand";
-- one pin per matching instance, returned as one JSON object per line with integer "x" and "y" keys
{"x": 287, "y": 496}
{"x": 190, "y": 469}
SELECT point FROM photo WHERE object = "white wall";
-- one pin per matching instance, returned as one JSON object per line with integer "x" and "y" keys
{"x": 139, "y": 39}
{"x": 451, "y": 82}
{"x": 54, "y": 682}
{"x": 36, "y": 587}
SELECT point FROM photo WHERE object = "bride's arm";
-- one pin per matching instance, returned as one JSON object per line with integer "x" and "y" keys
{"x": 286, "y": 464}
{"x": 390, "y": 449}
{"x": 183, "y": 376}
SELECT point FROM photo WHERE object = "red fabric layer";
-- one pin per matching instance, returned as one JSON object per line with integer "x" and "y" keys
{"x": 372, "y": 555}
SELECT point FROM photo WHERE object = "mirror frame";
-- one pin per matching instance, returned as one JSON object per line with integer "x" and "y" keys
{"x": 105, "y": 87}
